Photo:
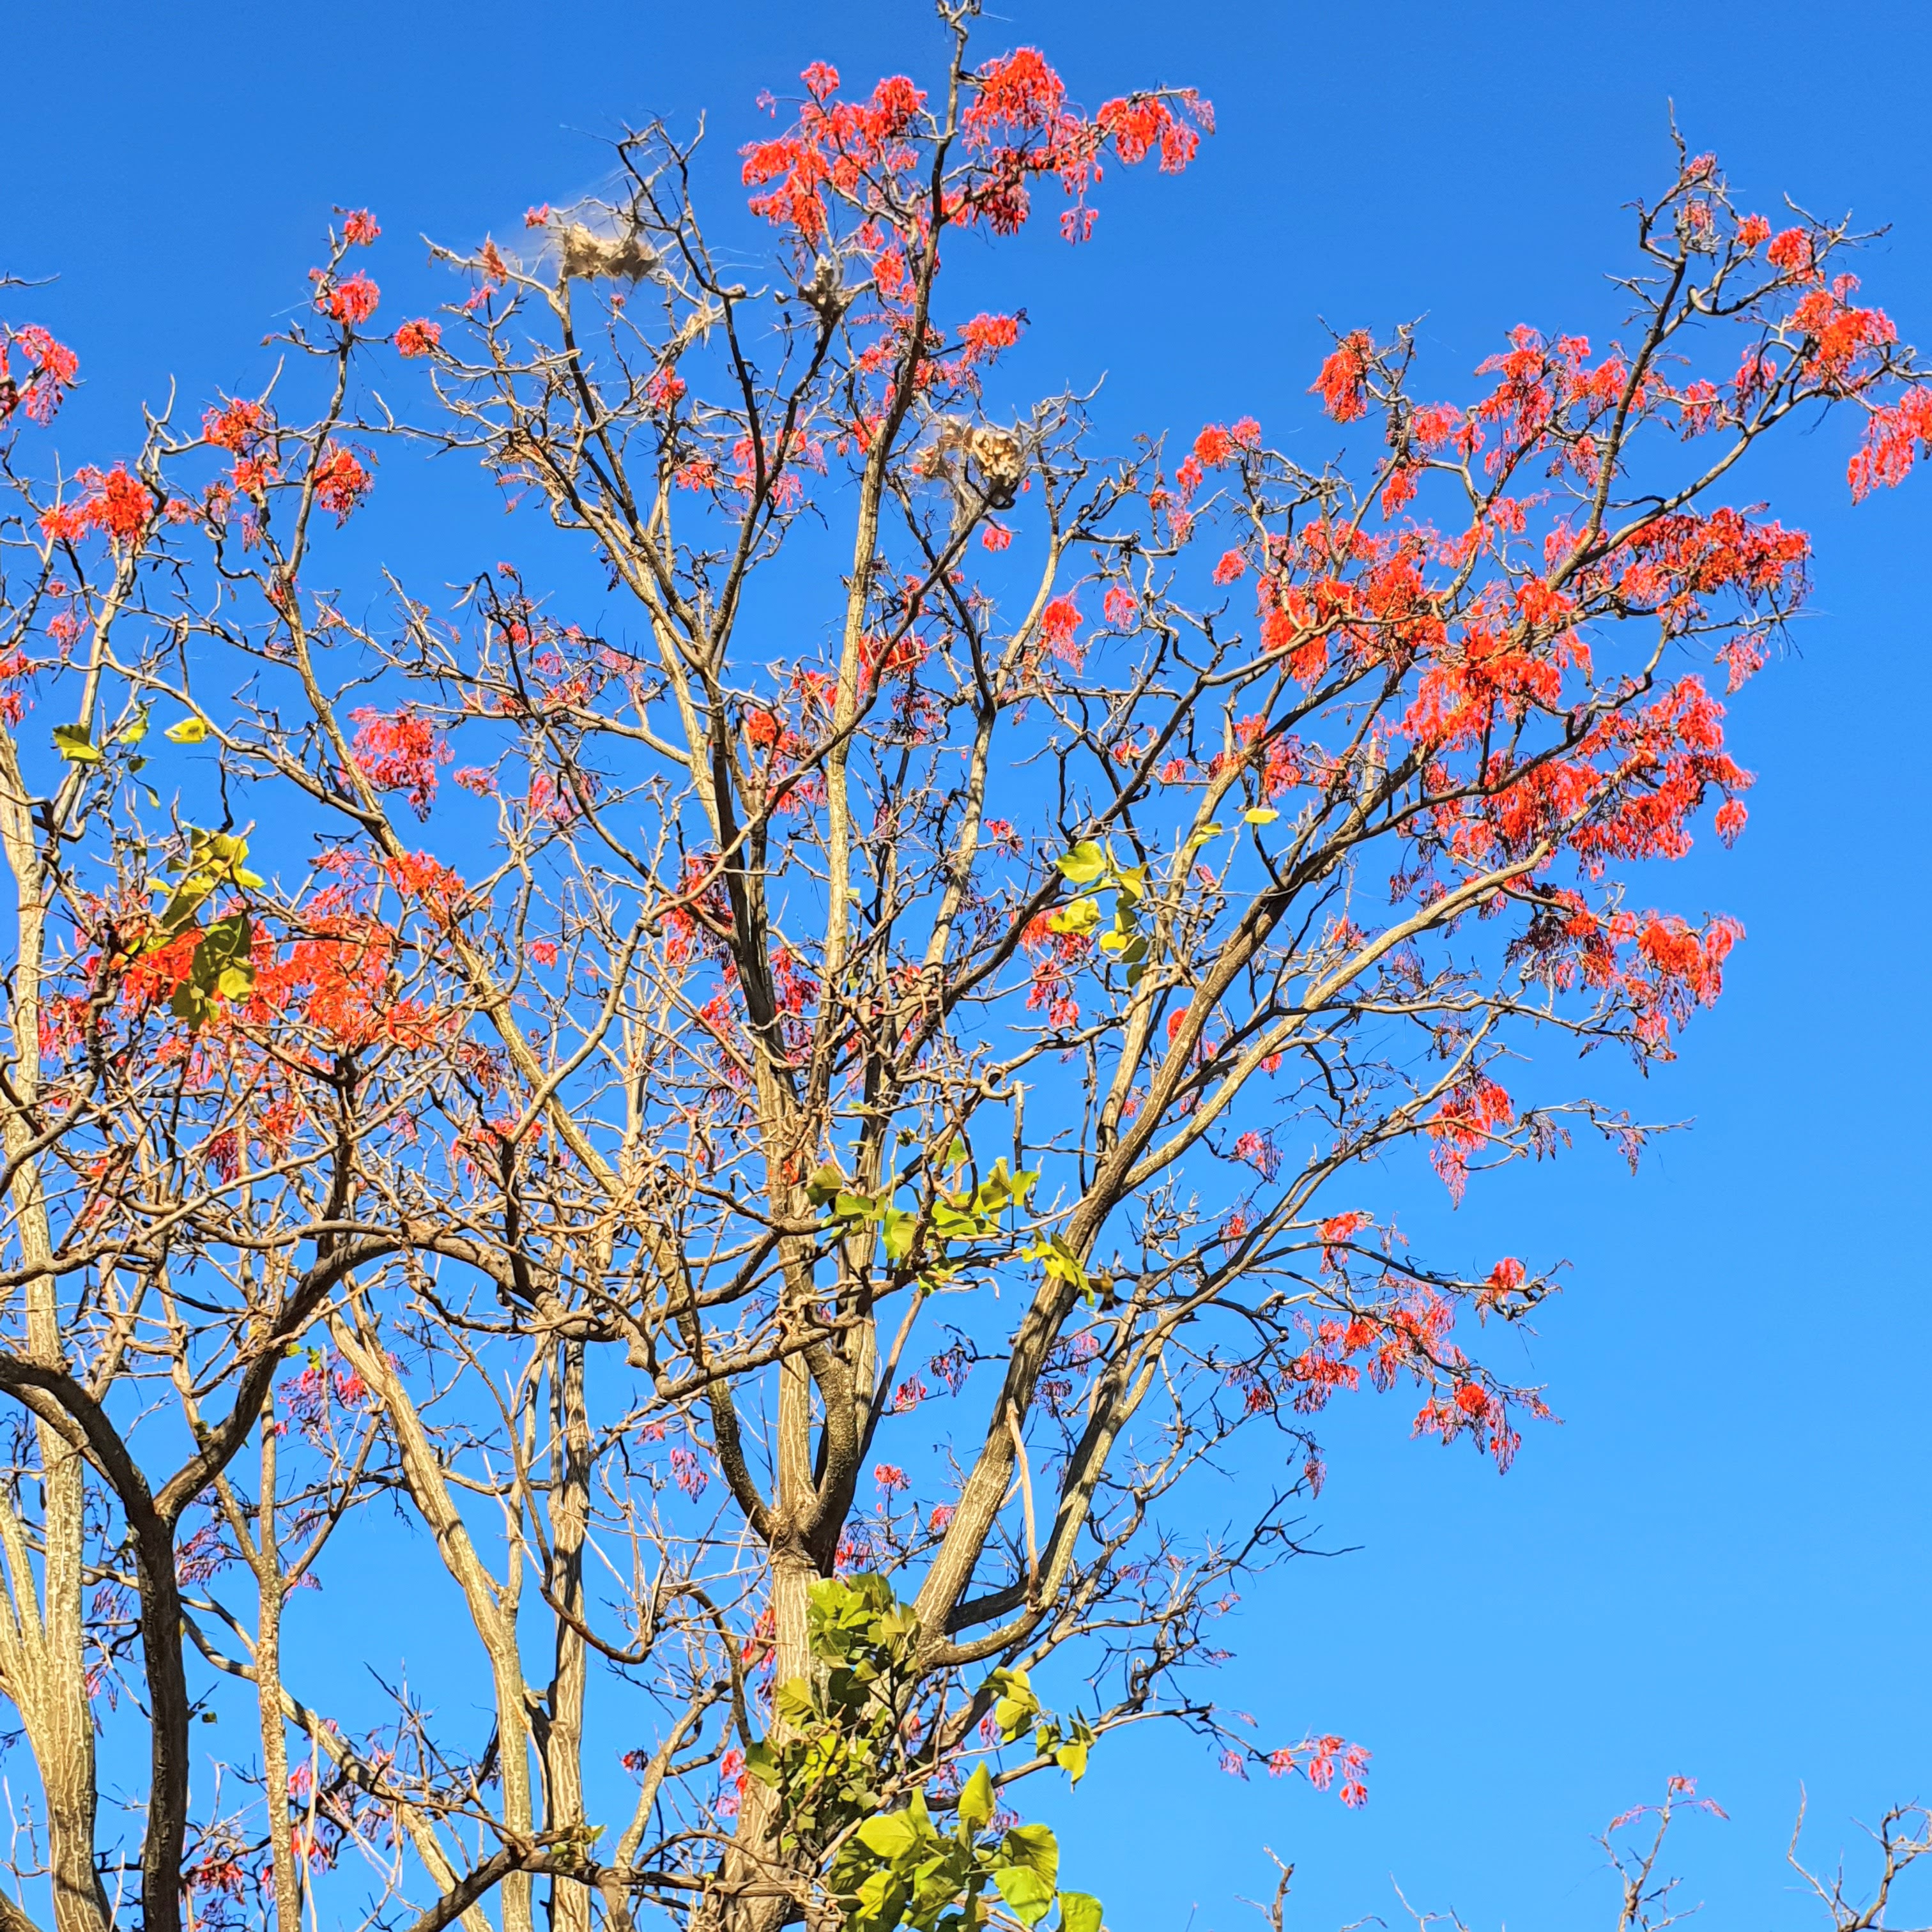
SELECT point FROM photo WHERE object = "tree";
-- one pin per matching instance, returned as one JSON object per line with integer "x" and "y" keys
{"x": 783, "y": 1130}
{"x": 1633, "y": 1844}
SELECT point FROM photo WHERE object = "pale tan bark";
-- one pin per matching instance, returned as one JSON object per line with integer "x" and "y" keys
{"x": 563, "y": 1732}
{"x": 492, "y": 1605}
{"x": 41, "y": 1652}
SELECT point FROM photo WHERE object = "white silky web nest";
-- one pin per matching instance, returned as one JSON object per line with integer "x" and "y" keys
{"x": 998, "y": 455}
{"x": 584, "y": 255}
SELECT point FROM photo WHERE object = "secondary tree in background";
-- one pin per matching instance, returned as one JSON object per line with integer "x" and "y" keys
{"x": 785, "y": 1090}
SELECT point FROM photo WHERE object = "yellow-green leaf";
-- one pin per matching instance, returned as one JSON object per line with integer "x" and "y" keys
{"x": 976, "y": 1800}
{"x": 1262, "y": 814}
{"x": 889, "y": 1837}
{"x": 1079, "y": 1912}
{"x": 190, "y": 730}
{"x": 1084, "y": 864}
{"x": 73, "y": 744}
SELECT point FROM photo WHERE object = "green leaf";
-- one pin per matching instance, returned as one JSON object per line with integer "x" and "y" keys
{"x": 181, "y": 907}
{"x": 976, "y": 1800}
{"x": 793, "y": 1703}
{"x": 1030, "y": 1857}
{"x": 1071, "y": 1758}
{"x": 996, "y": 1190}
{"x": 895, "y": 1629}
{"x": 877, "y": 1893}
{"x": 191, "y": 730}
{"x": 190, "y": 1004}
{"x": 228, "y": 942}
{"x": 889, "y": 1837}
{"x": 900, "y": 1225}
{"x": 1015, "y": 1710}
{"x": 1082, "y": 915}
{"x": 1084, "y": 864}
{"x": 955, "y": 1224}
{"x": 1028, "y": 1895}
{"x": 825, "y": 1184}
{"x": 1059, "y": 1262}
{"x": 1079, "y": 1912}
{"x": 1034, "y": 1847}
{"x": 73, "y": 744}
{"x": 760, "y": 1762}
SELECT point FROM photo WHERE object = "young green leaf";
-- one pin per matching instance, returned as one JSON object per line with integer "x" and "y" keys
{"x": 1082, "y": 915}
{"x": 1030, "y": 1896}
{"x": 1084, "y": 864}
{"x": 825, "y": 1184}
{"x": 976, "y": 1800}
{"x": 890, "y": 1836}
{"x": 1079, "y": 1912}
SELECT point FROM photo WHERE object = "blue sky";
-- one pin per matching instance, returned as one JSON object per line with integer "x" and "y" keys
{"x": 1718, "y": 1565}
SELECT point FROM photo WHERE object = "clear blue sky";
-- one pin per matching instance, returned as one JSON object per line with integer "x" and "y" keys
{"x": 1719, "y": 1564}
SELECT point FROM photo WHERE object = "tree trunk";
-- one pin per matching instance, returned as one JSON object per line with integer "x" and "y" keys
{"x": 563, "y": 1733}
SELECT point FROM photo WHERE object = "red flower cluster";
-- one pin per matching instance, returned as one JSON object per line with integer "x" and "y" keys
{"x": 50, "y": 372}
{"x": 399, "y": 752}
{"x": 833, "y": 147}
{"x": 341, "y": 481}
{"x": 349, "y": 302}
{"x": 418, "y": 338}
{"x": 118, "y": 505}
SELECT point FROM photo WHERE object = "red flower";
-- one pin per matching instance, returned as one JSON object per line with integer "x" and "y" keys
{"x": 359, "y": 228}
{"x": 399, "y": 753}
{"x": 1213, "y": 447}
{"x": 418, "y": 338}
{"x": 52, "y": 369}
{"x": 1790, "y": 250}
{"x": 1057, "y": 624}
{"x": 986, "y": 335}
{"x": 1341, "y": 381}
{"x": 341, "y": 481}
{"x": 235, "y": 425}
{"x": 349, "y": 302}
{"x": 118, "y": 505}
